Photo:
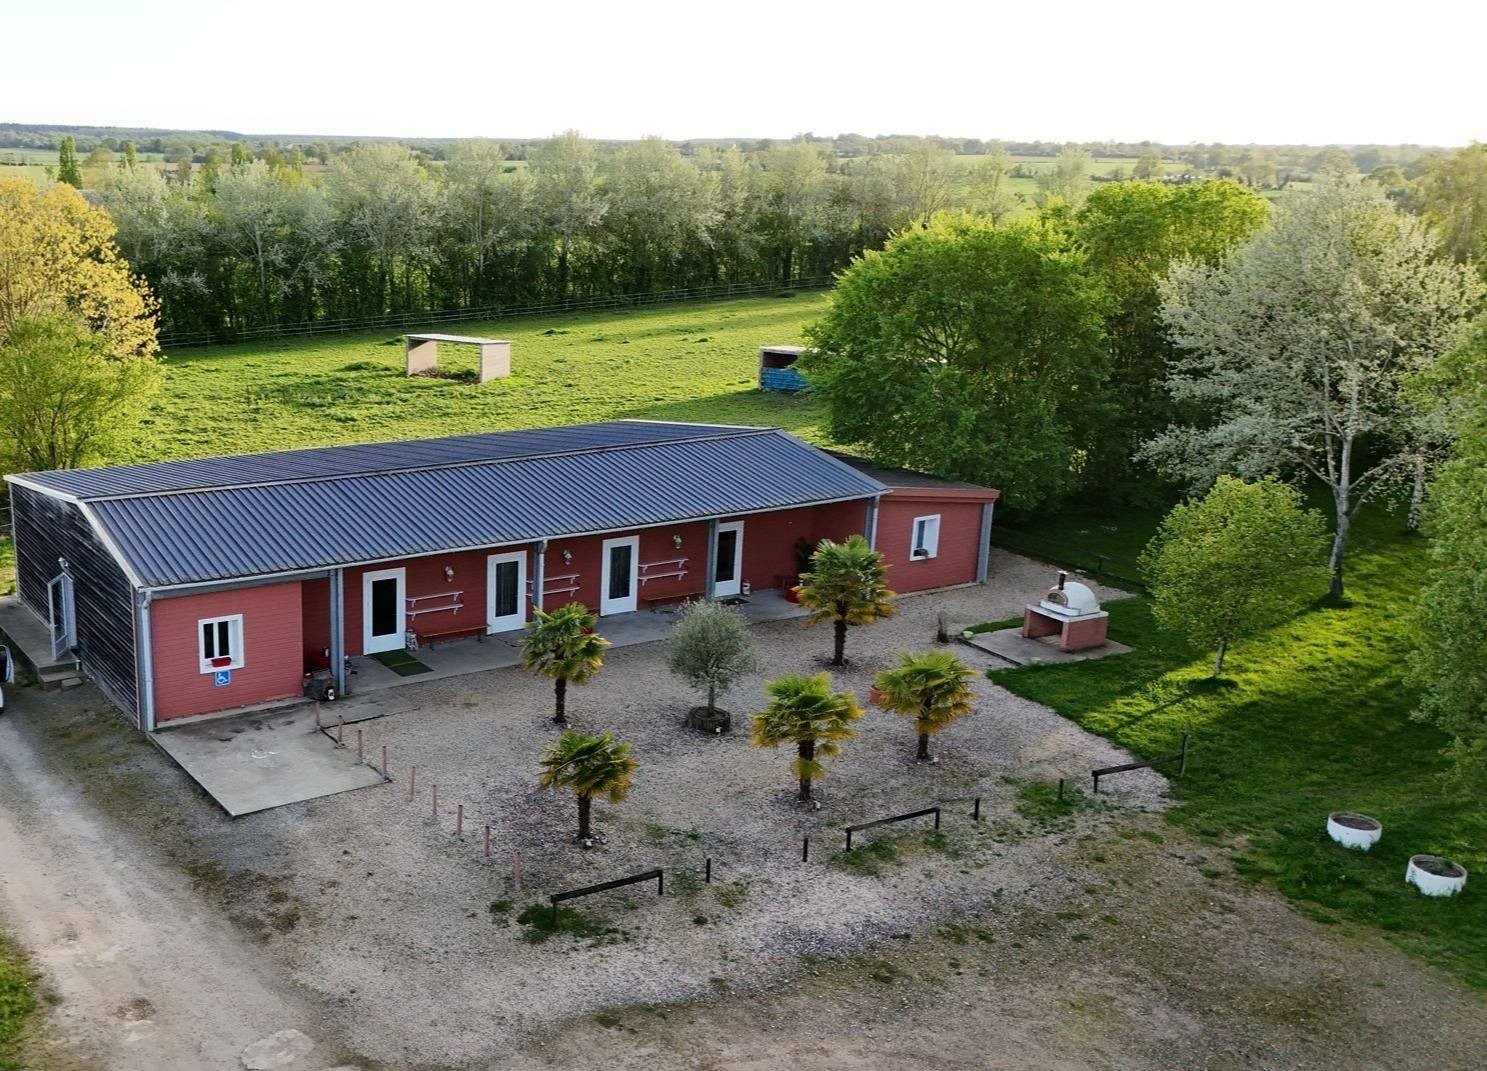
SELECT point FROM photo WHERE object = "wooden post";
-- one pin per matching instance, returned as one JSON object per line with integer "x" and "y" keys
{"x": 487, "y": 842}
{"x": 459, "y": 820}
{"x": 412, "y": 778}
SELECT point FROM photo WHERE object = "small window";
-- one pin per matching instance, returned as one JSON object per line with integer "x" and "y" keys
{"x": 221, "y": 643}
{"x": 926, "y": 542}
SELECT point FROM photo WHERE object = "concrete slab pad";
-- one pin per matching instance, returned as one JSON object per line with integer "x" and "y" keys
{"x": 258, "y": 761}
{"x": 1011, "y": 646}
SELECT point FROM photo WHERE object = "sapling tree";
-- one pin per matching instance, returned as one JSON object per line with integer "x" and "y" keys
{"x": 1296, "y": 349}
{"x": 846, "y": 586}
{"x": 711, "y": 648}
{"x": 1240, "y": 559}
{"x": 804, "y": 711}
{"x": 563, "y": 646}
{"x": 588, "y": 765}
{"x": 933, "y": 689}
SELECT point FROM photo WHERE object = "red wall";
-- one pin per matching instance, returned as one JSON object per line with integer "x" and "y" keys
{"x": 960, "y": 534}
{"x": 273, "y": 653}
{"x": 656, "y": 545}
{"x": 425, "y": 576}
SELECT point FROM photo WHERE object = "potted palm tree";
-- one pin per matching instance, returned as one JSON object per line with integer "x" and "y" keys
{"x": 563, "y": 646}
{"x": 933, "y": 688}
{"x": 588, "y": 765}
{"x": 804, "y": 711}
{"x": 845, "y": 585}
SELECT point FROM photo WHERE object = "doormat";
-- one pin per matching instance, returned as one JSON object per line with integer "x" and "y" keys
{"x": 401, "y": 663}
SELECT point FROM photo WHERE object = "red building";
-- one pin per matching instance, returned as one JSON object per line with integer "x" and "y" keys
{"x": 200, "y": 586}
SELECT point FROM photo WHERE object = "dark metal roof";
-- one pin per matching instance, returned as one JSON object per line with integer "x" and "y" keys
{"x": 909, "y": 479}
{"x": 261, "y": 515}
{"x": 246, "y": 469}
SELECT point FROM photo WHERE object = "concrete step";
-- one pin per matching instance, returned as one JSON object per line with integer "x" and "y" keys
{"x": 59, "y": 677}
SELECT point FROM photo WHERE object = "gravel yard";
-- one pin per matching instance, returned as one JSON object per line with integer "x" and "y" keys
{"x": 392, "y": 911}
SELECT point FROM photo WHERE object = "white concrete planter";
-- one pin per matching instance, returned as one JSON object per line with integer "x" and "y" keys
{"x": 1353, "y": 830}
{"x": 1435, "y": 876}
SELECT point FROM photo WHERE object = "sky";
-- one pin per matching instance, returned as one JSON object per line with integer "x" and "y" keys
{"x": 1301, "y": 71}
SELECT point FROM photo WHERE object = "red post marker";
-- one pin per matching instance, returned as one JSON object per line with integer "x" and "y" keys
{"x": 361, "y": 755}
{"x": 436, "y": 801}
{"x": 516, "y": 871}
{"x": 412, "y": 777}
{"x": 459, "y": 820}
{"x": 487, "y": 842}
{"x": 384, "y": 762}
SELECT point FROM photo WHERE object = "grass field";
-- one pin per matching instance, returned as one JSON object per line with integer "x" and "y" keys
{"x": 1317, "y": 720}
{"x": 17, "y": 1003}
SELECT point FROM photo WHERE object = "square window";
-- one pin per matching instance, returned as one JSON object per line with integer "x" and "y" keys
{"x": 925, "y": 542}
{"x": 220, "y": 643}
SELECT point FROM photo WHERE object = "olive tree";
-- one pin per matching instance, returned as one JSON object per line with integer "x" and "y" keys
{"x": 711, "y": 648}
{"x": 1240, "y": 559}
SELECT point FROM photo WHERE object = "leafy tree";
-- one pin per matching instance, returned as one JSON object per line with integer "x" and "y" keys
{"x": 711, "y": 648}
{"x": 1067, "y": 181}
{"x": 492, "y": 210}
{"x": 58, "y": 259}
{"x": 926, "y": 177}
{"x": 1132, "y": 233}
{"x": 563, "y": 646}
{"x": 1148, "y": 167}
{"x": 386, "y": 204}
{"x": 932, "y": 688}
{"x": 566, "y": 173}
{"x": 588, "y": 765}
{"x": 968, "y": 350}
{"x": 67, "y": 167}
{"x": 1240, "y": 559}
{"x": 804, "y": 711}
{"x": 63, "y": 401}
{"x": 1455, "y": 200}
{"x": 845, "y": 585}
{"x": 131, "y": 155}
{"x": 239, "y": 155}
{"x": 1449, "y": 663}
{"x": 1296, "y": 347}
{"x": 789, "y": 200}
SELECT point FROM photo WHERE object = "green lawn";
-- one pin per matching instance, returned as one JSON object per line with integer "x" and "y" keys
{"x": 688, "y": 362}
{"x": 1317, "y": 719}
{"x": 17, "y": 1003}
{"x": 697, "y": 361}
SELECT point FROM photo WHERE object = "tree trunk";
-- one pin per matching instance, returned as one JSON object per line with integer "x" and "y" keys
{"x": 1417, "y": 497}
{"x": 923, "y": 754}
{"x": 1218, "y": 662}
{"x": 563, "y": 269}
{"x": 560, "y": 701}
{"x": 712, "y": 698}
{"x": 807, "y": 752}
{"x": 1339, "y": 547}
{"x": 839, "y": 649}
{"x": 585, "y": 807}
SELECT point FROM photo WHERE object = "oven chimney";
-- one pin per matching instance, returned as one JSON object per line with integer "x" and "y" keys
{"x": 1062, "y": 576}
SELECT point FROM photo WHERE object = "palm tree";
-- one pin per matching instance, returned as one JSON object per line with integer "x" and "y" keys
{"x": 589, "y": 765}
{"x": 564, "y": 646}
{"x": 933, "y": 688}
{"x": 804, "y": 711}
{"x": 845, "y": 586}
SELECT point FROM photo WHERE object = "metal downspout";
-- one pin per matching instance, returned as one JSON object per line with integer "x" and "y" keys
{"x": 539, "y": 556}
{"x": 983, "y": 550}
{"x": 871, "y": 525}
{"x": 338, "y": 629}
{"x": 710, "y": 578}
{"x": 146, "y": 663}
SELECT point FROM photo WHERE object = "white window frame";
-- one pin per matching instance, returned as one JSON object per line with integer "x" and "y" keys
{"x": 931, "y": 546}
{"x": 234, "y": 624}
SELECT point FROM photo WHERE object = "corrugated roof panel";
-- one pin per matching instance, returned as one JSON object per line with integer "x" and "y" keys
{"x": 322, "y": 462}
{"x": 206, "y": 535}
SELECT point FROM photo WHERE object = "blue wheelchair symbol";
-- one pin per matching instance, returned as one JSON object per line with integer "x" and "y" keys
{"x": 223, "y": 678}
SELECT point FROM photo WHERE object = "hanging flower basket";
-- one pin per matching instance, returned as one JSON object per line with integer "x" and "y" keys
{"x": 1435, "y": 876}
{"x": 1353, "y": 830}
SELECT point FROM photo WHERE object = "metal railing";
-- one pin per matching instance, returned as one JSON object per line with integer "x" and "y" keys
{"x": 430, "y": 317}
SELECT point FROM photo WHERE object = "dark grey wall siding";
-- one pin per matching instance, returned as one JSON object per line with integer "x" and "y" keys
{"x": 46, "y": 530}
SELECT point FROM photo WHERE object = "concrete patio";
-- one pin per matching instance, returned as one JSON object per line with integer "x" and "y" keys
{"x": 478, "y": 654}
{"x": 1013, "y": 648}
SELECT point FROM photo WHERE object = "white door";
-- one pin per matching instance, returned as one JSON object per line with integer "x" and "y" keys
{"x": 506, "y": 591}
{"x": 619, "y": 577}
{"x": 63, "y": 617}
{"x": 384, "y": 610}
{"x": 728, "y": 559}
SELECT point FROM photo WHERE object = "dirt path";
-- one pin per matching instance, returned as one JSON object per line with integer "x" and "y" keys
{"x": 149, "y": 979}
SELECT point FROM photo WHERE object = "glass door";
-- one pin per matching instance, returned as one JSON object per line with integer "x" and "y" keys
{"x": 728, "y": 559}
{"x": 506, "y": 591}
{"x": 618, "y": 584}
{"x": 384, "y": 608}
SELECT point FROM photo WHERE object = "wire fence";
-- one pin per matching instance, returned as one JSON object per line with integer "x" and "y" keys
{"x": 1121, "y": 572}
{"x": 431, "y": 317}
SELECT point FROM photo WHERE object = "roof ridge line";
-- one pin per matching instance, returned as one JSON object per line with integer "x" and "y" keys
{"x": 723, "y": 431}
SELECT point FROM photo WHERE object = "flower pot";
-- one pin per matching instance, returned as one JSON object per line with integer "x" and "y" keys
{"x": 875, "y": 696}
{"x": 1435, "y": 876}
{"x": 1353, "y": 830}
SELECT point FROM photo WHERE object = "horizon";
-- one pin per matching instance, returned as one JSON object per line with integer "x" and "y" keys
{"x": 1289, "y": 75}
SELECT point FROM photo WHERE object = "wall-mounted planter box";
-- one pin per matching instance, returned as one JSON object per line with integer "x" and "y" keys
{"x": 1435, "y": 876}
{"x": 1353, "y": 830}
